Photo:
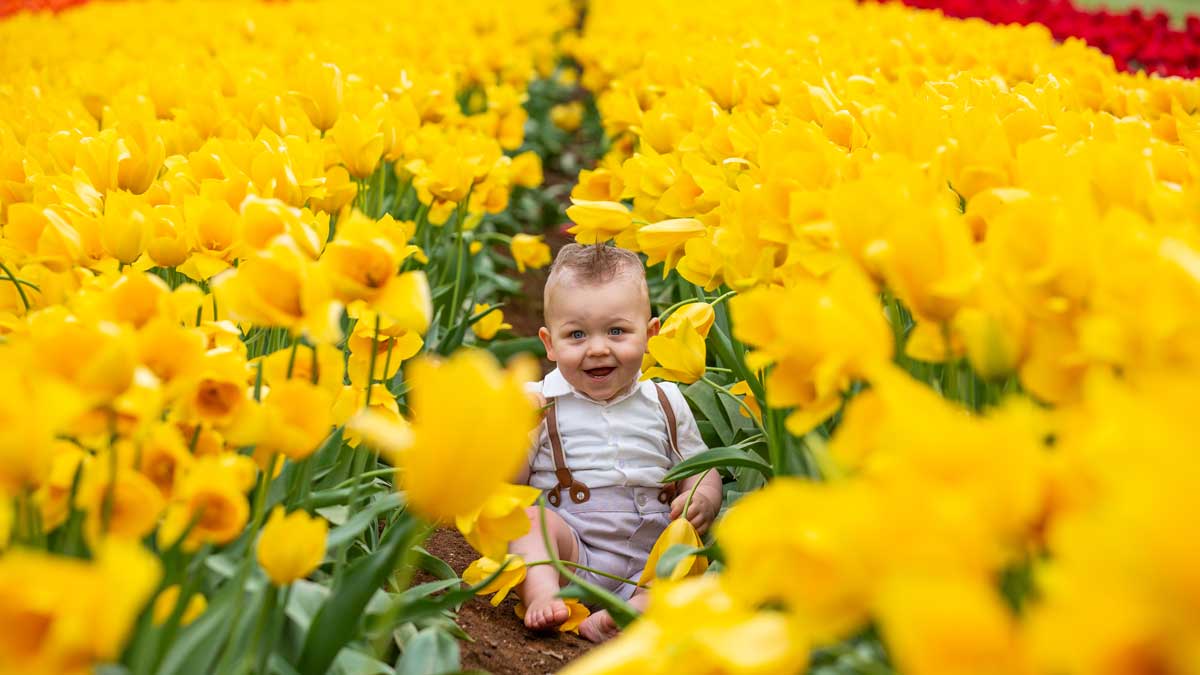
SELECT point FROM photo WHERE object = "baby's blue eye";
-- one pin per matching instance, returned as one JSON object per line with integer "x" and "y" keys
{"x": 616, "y": 331}
{"x": 577, "y": 334}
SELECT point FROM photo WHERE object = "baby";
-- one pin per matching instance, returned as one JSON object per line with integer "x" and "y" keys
{"x": 607, "y": 439}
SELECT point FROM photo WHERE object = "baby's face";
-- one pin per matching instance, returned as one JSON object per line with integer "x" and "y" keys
{"x": 597, "y": 333}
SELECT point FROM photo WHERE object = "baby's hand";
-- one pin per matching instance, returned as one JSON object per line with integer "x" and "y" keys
{"x": 701, "y": 513}
{"x": 539, "y": 401}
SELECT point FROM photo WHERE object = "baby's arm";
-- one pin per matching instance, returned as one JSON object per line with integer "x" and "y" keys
{"x": 706, "y": 502}
{"x": 538, "y": 400}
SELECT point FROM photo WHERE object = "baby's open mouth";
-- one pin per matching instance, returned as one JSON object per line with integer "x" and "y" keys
{"x": 599, "y": 373}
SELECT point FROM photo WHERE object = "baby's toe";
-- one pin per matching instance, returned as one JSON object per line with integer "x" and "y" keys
{"x": 598, "y": 627}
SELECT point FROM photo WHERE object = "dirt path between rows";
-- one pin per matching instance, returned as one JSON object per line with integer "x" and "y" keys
{"x": 502, "y": 645}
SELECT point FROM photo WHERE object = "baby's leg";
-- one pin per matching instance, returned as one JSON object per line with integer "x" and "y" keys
{"x": 600, "y": 626}
{"x": 542, "y": 609}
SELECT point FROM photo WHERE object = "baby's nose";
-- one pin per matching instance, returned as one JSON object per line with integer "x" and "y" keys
{"x": 597, "y": 345}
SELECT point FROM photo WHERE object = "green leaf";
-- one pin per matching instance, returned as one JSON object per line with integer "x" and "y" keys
{"x": 704, "y": 397}
{"x": 345, "y": 533}
{"x": 304, "y": 602}
{"x": 433, "y": 564}
{"x": 716, "y": 458}
{"x": 351, "y": 662}
{"x": 671, "y": 557}
{"x": 429, "y": 652}
{"x": 338, "y": 619}
{"x": 198, "y": 644}
{"x": 426, "y": 589}
{"x": 505, "y": 349}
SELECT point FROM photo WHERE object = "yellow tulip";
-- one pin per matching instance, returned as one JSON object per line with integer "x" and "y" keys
{"x": 527, "y": 170}
{"x": 360, "y": 141}
{"x": 54, "y": 494}
{"x": 362, "y": 262}
{"x": 297, "y": 418}
{"x": 281, "y": 287}
{"x": 393, "y": 346}
{"x": 664, "y": 241}
{"x": 87, "y": 609}
{"x": 680, "y": 531}
{"x": 327, "y": 365}
{"x": 448, "y": 177}
{"x": 352, "y": 399}
{"x": 943, "y": 624}
{"x": 164, "y": 606}
{"x": 132, "y": 502}
{"x": 469, "y": 434}
{"x": 213, "y": 493}
{"x": 499, "y": 520}
{"x": 291, "y": 546}
{"x": 126, "y": 228}
{"x": 529, "y": 251}
{"x": 680, "y": 356}
{"x": 597, "y": 221}
{"x": 742, "y": 388}
{"x": 336, "y": 191}
{"x": 699, "y": 314}
{"x": 487, "y": 327}
{"x": 477, "y": 572}
{"x": 319, "y": 89}
{"x": 164, "y": 457}
{"x": 567, "y": 116}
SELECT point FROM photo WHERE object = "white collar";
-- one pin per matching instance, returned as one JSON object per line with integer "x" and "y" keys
{"x": 555, "y": 384}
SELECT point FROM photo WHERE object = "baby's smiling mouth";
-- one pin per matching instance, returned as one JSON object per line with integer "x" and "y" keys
{"x": 599, "y": 373}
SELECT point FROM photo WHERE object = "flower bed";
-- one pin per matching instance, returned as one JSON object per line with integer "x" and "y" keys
{"x": 1136, "y": 39}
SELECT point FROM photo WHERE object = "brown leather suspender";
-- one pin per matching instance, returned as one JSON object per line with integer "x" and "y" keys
{"x": 580, "y": 492}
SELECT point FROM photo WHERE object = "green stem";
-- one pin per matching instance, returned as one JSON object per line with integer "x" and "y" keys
{"x": 588, "y": 569}
{"x": 17, "y": 283}
{"x": 292, "y": 358}
{"x": 723, "y": 346}
{"x": 688, "y": 504}
{"x": 365, "y": 475}
{"x": 735, "y": 397}
{"x": 452, "y": 314}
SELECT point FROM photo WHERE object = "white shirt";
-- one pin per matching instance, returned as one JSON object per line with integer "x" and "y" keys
{"x": 622, "y": 442}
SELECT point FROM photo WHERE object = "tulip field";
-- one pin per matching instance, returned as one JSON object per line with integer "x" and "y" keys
{"x": 929, "y": 281}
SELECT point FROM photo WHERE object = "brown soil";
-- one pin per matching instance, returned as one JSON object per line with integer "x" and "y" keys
{"x": 502, "y": 645}
{"x": 500, "y": 642}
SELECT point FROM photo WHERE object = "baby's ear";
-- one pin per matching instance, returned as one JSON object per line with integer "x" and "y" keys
{"x": 652, "y": 327}
{"x": 544, "y": 334}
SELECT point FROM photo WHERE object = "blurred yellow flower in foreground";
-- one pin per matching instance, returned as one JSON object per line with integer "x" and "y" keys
{"x": 64, "y": 614}
{"x": 291, "y": 546}
{"x": 500, "y": 520}
{"x": 469, "y": 432}
{"x": 698, "y": 626}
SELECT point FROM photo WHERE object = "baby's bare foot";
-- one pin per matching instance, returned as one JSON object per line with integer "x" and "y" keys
{"x": 546, "y": 612}
{"x": 599, "y": 627}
